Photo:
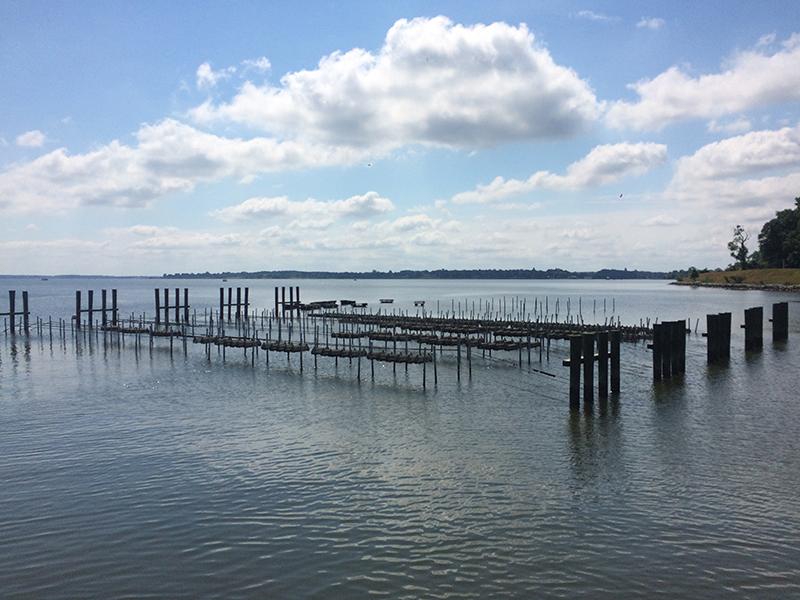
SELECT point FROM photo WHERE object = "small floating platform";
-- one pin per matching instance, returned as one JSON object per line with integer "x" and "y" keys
{"x": 289, "y": 347}
{"x": 338, "y": 352}
{"x": 400, "y": 357}
{"x": 348, "y": 335}
{"x": 386, "y": 300}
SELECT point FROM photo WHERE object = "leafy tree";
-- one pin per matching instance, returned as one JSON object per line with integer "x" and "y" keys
{"x": 693, "y": 274}
{"x": 738, "y": 246}
{"x": 779, "y": 240}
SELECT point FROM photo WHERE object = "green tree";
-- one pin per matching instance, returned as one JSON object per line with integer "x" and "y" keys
{"x": 779, "y": 240}
{"x": 693, "y": 274}
{"x": 738, "y": 246}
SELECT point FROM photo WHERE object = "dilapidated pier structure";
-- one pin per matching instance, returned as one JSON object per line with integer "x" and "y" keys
{"x": 456, "y": 337}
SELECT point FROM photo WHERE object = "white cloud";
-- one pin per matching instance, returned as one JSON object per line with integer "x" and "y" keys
{"x": 756, "y": 173}
{"x": 320, "y": 211}
{"x": 591, "y": 15}
{"x": 31, "y": 139}
{"x": 260, "y": 64}
{"x": 169, "y": 157}
{"x": 660, "y": 220}
{"x": 650, "y": 23}
{"x": 753, "y": 78}
{"x": 432, "y": 82}
{"x": 603, "y": 165}
{"x": 766, "y": 40}
{"x": 207, "y": 78}
{"x": 739, "y": 125}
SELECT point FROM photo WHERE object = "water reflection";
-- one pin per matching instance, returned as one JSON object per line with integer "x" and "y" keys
{"x": 595, "y": 436}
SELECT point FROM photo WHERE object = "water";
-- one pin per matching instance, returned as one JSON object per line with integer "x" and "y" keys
{"x": 139, "y": 473}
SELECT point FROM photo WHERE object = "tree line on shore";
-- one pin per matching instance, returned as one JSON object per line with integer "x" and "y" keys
{"x": 432, "y": 274}
{"x": 778, "y": 244}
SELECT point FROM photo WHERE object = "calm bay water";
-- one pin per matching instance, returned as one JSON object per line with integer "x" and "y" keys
{"x": 134, "y": 474}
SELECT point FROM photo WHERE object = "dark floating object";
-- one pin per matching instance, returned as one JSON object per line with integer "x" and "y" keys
{"x": 386, "y": 300}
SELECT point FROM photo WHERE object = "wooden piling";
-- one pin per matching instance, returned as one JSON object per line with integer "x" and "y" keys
{"x": 114, "y": 306}
{"x": 91, "y": 308}
{"x": 230, "y": 302}
{"x": 575, "y": 372}
{"x": 186, "y": 306}
{"x": 666, "y": 350}
{"x": 780, "y": 321}
{"x": 602, "y": 364}
{"x": 103, "y": 306}
{"x": 753, "y": 329}
{"x": 588, "y": 368}
{"x": 616, "y": 338}
{"x": 658, "y": 345}
{"x": 166, "y": 307}
{"x": 246, "y": 303}
{"x": 78, "y": 309}
{"x": 238, "y": 303}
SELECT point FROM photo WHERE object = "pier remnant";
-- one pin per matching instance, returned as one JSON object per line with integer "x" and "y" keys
{"x": 90, "y": 309}
{"x": 12, "y": 311}
{"x": 718, "y": 334}
{"x": 780, "y": 321}
{"x": 753, "y": 329}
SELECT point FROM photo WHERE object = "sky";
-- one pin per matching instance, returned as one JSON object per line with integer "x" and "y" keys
{"x": 140, "y": 138}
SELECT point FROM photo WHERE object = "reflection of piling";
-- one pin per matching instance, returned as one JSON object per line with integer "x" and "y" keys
{"x": 753, "y": 329}
{"x": 780, "y": 321}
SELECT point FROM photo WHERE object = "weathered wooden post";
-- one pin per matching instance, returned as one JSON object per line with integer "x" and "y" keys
{"x": 12, "y": 309}
{"x": 221, "y": 303}
{"x": 91, "y": 308}
{"x": 679, "y": 346}
{"x": 166, "y": 307}
{"x": 616, "y": 338}
{"x": 177, "y": 306}
{"x": 753, "y": 329}
{"x": 230, "y": 303}
{"x": 297, "y": 299}
{"x": 158, "y": 307}
{"x": 588, "y": 368}
{"x": 575, "y": 372}
{"x": 276, "y": 301}
{"x": 283, "y": 301}
{"x": 114, "y": 306}
{"x": 103, "y": 306}
{"x": 291, "y": 303}
{"x": 186, "y": 306}
{"x": 658, "y": 348}
{"x": 780, "y": 321}
{"x": 238, "y": 303}
{"x": 77, "y": 309}
{"x": 25, "y": 311}
{"x": 666, "y": 350}
{"x": 602, "y": 365}
{"x": 246, "y": 303}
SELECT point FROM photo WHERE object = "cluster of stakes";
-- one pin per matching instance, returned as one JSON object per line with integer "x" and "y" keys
{"x": 326, "y": 329}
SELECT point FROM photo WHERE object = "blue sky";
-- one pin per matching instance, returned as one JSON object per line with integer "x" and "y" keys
{"x": 141, "y": 138}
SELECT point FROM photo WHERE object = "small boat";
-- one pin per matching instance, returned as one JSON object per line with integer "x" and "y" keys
{"x": 224, "y": 280}
{"x": 419, "y": 302}
{"x": 386, "y": 300}
{"x": 45, "y": 279}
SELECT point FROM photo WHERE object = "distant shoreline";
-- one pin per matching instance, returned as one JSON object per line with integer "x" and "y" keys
{"x": 764, "y": 287}
{"x": 438, "y": 274}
